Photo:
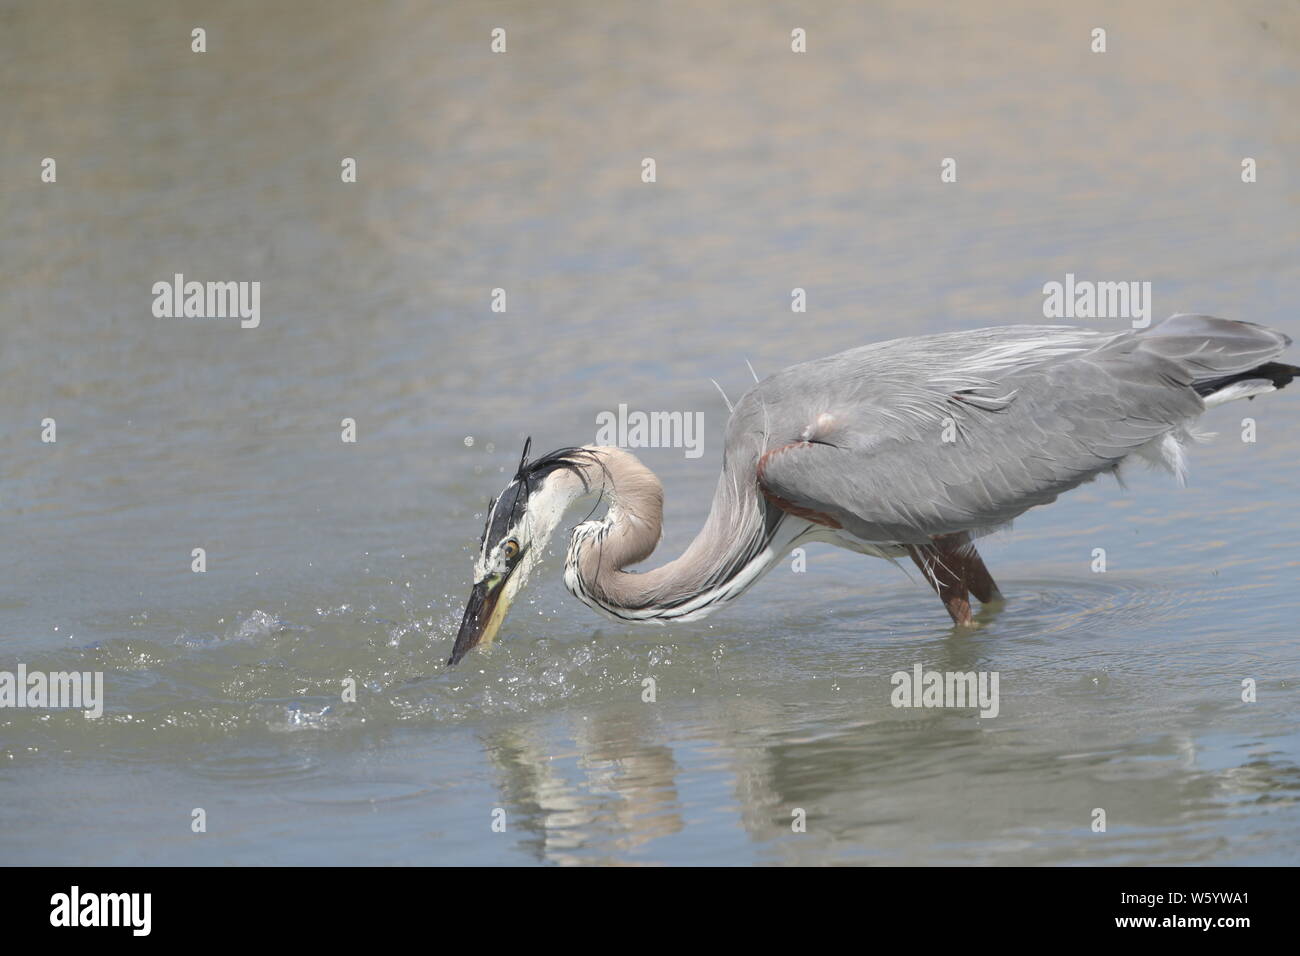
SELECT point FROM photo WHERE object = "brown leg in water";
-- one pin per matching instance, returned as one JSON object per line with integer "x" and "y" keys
{"x": 958, "y": 552}
{"x": 978, "y": 578}
{"x": 946, "y": 575}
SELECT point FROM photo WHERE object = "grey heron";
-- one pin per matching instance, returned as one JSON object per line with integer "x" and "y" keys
{"x": 912, "y": 447}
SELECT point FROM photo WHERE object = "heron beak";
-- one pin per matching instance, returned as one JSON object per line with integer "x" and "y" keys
{"x": 484, "y": 612}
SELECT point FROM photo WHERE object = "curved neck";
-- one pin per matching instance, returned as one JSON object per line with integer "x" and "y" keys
{"x": 741, "y": 539}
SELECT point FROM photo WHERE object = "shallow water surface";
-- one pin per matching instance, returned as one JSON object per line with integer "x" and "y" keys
{"x": 326, "y": 561}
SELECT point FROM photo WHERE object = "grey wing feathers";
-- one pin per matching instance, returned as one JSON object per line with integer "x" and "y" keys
{"x": 863, "y": 438}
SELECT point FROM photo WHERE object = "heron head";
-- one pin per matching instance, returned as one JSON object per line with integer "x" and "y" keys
{"x": 519, "y": 524}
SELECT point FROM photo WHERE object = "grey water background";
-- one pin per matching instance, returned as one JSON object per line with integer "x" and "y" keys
{"x": 329, "y": 560}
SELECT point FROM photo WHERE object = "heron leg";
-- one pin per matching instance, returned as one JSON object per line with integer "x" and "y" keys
{"x": 978, "y": 579}
{"x": 947, "y": 576}
{"x": 958, "y": 551}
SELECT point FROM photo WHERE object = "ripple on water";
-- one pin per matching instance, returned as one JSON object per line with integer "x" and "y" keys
{"x": 257, "y": 763}
{"x": 256, "y": 626}
{"x": 1054, "y": 605}
{"x": 352, "y": 792}
{"x": 266, "y": 673}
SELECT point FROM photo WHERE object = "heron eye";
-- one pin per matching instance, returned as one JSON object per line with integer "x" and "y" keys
{"x": 512, "y": 550}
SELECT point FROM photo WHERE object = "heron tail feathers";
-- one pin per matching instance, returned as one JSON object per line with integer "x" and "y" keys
{"x": 1225, "y": 359}
{"x": 1212, "y": 348}
{"x": 1265, "y": 378}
